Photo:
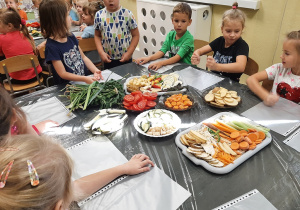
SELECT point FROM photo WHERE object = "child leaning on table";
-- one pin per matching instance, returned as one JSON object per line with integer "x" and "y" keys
{"x": 230, "y": 50}
{"x": 116, "y": 34}
{"x": 13, "y": 120}
{"x": 179, "y": 42}
{"x": 14, "y": 4}
{"x": 15, "y": 40}
{"x": 62, "y": 51}
{"x": 48, "y": 184}
{"x": 286, "y": 75}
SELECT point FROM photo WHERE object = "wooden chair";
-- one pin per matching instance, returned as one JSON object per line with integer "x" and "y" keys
{"x": 47, "y": 73}
{"x": 251, "y": 67}
{"x": 201, "y": 43}
{"x": 19, "y": 63}
{"x": 87, "y": 45}
{"x": 268, "y": 84}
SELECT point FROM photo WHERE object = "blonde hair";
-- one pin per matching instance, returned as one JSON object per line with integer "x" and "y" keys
{"x": 182, "y": 8}
{"x": 92, "y": 7}
{"x": 295, "y": 36}
{"x": 234, "y": 14}
{"x": 54, "y": 168}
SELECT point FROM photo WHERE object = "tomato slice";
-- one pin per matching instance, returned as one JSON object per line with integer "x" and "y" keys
{"x": 151, "y": 103}
{"x": 129, "y": 98}
{"x": 142, "y": 105}
{"x": 137, "y": 98}
{"x": 154, "y": 95}
{"x": 137, "y": 92}
{"x": 135, "y": 107}
{"x": 125, "y": 103}
{"x": 148, "y": 96}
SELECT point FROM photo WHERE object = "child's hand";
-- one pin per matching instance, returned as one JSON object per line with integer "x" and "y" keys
{"x": 195, "y": 59}
{"x": 89, "y": 80}
{"x": 82, "y": 27}
{"x": 155, "y": 66}
{"x": 44, "y": 125}
{"x": 271, "y": 99}
{"x": 78, "y": 37}
{"x": 211, "y": 63}
{"x": 105, "y": 57}
{"x": 98, "y": 75}
{"x": 137, "y": 164}
{"x": 142, "y": 60}
{"x": 125, "y": 57}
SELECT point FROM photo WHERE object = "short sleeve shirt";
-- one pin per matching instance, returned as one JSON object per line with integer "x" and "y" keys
{"x": 68, "y": 53}
{"x": 228, "y": 55}
{"x": 286, "y": 84}
{"x": 184, "y": 46}
{"x": 115, "y": 29}
{"x": 88, "y": 32}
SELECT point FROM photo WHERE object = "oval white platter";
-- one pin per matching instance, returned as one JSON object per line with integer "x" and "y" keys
{"x": 158, "y": 93}
{"x": 176, "y": 123}
{"x": 229, "y": 167}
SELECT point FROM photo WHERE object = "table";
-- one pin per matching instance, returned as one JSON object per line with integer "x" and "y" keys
{"x": 274, "y": 171}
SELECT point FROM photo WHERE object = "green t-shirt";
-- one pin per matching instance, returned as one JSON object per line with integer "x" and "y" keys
{"x": 184, "y": 46}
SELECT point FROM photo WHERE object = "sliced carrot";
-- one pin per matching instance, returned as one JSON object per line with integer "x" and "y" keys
{"x": 252, "y": 130}
{"x": 243, "y": 131}
{"x": 258, "y": 141}
{"x": 252, "y": 136}
{"x": 252, "y": 146}
{"x": 248, "y": 140}
{"x": 234, "y": 134}
{"x": 244, "y": 134}
{"x": 262, "y": 135}
{"x": 244, "y": 145}
{"x": 235, "y": 145}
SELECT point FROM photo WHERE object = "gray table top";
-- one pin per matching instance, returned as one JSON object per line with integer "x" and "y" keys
{"x": 274, "y": 170}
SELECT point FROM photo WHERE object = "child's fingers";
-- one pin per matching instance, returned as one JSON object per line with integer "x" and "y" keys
{"x": 148, "y": 162}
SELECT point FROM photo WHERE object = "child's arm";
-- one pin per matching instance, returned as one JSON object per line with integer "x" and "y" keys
{"x": 237, "y": 67}
{"x": 89, "y": 64}
{"x": 134, "y": 42}
{"x": 269, "y": 99}
{"x": 87, "y": 185}
{"x": 153, "y": 57}
{"x": 155, "y": 66}
{"x": 61, "y": 71}
{"x": 104, "y": 56}
{"x": 195, "y": 59}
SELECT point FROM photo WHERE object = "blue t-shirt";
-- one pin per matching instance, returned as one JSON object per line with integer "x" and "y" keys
{"x": 73, "y": 15}
{"x": 88, "y": 32}
{"x": 69, "y": 54}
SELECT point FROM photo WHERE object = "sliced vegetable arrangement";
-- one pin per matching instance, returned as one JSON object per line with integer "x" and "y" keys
{"x": 219, "y": 143}
{"x": 178, "y": 102}
{"x": 105, "y": 95}
{"x": 138, "y": 101}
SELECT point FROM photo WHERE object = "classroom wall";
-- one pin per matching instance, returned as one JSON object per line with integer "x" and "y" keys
{"x": 265, "y": 28}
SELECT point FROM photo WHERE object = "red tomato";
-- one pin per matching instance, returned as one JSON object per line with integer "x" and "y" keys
{"x": 126, "y": 103}
{"x": 137, "y": 98}
{"x": 129, "y": 98}
{"x": 135, "y": 107}
{"x": 142, "y": 105}
{"x": 151, "y": 103}
{"x": 137, "y": 92}
{"x": 149, "y": 97}
{"x": 154, "y": 95}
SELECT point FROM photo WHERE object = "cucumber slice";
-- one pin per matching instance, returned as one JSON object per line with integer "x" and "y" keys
{"x": 145, "y": 126}
{"x": 166, "y": 116}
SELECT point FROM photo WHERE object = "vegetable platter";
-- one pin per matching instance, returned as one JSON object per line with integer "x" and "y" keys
{"x": 160, "y": 83}
{"x": 157, "y": 123}
{"x": 223, "y": 142}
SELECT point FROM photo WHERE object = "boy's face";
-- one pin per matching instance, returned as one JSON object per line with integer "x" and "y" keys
{"x": 181, "y": 21}
{"x": 11, "y": 3}
{"x": 112, "y": 5}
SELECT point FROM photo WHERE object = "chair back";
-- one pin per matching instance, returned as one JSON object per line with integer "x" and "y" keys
{"x": 42, "y": 52}
{"x": 201, "y": 43}
{"x": 268, "y": 84}
{"x": 18, "y": 63}
{"x": 251, "y": 67}
{"x": 87, "y": 44}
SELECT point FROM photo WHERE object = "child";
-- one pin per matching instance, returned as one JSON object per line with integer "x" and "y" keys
{"x": 89, "y": 11}
{"x": 286, "y": 75}
{"x": 179, "y": 42}
{"x": 62, "y": 51}
{"x": 15, "y": 40}
{"x": 115, "y": 42}
{"x": 13, "y": 120}
{"x": 230, "y": 50}
{"x": 35, "y": 8}
{"x": 72, "y": 12}
{"x": 48, "y": 184}
{"x": 79, "y": 6}
{"x": 14, "y": 4}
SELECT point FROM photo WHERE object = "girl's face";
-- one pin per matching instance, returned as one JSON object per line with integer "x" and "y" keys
{"x": 11, "y": 3}
{"x": 290, "y": 57}
{"x": 112, "y": 5}
{"x": 232, "y": 31}
{"x": 79, "y": 8}
{"x": 87, "y": 19}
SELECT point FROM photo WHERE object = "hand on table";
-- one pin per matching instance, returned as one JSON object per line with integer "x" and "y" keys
{"x": 143, "y": 60}
{"x": 78, "y": 37}
{"x": 271, "y": 99}
{"x": 155, "y": 66}
{"x": 98, "y": 75}
{"x": 82, "y": 27}
{"x": 125, "y": 57}
{"x": 89, "y": 80}
{"x": 137, "y": 164}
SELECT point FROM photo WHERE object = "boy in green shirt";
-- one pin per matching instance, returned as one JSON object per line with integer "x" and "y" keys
{"x": 179, "y": 42}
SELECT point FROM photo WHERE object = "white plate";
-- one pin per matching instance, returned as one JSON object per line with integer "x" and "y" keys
{"x": 158, "y": 93}
{"x": 176, "y": 122}
{"x": 229, "y": 167}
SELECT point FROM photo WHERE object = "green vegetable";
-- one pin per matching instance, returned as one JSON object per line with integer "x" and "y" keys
{"x": 105, "y": 95}
{"x": 215, "y": 134}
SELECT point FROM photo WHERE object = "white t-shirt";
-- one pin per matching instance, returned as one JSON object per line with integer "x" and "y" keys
{"x": 286, "y": 84}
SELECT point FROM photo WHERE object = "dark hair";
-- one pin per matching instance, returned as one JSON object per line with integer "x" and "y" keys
{"x": 295, "y": 35}
{"x": 7, "y": 112}
{"x": 182, "y": 8}
{"x": 11, "y": 15}
{"x": 92, "y": 7}
{"x": 234, "y": 14}
{"x": 53, "y": 14}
